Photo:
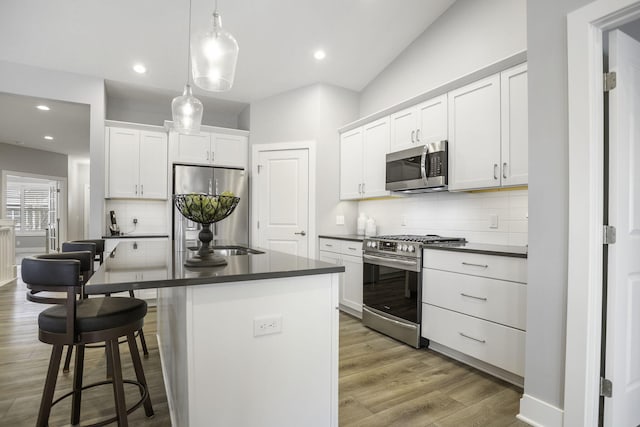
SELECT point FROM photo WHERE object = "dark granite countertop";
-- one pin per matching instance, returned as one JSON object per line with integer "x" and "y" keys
{"x": 482, "y": 248}
{"x": 137, "y": 236}
{"x": 154, "y": 264}
{"x": 348, "y": 237}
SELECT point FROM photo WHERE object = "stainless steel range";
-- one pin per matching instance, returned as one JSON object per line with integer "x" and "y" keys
{"x": 392, "y": 288}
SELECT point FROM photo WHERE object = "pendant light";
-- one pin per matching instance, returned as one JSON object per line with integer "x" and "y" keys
{"x": 214, "y": 56}
{"x": 186, "y": 110}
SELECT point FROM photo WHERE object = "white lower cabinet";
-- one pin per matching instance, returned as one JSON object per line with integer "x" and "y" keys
{"x": 475, "y": 304}
{"x": 349, "y": 254}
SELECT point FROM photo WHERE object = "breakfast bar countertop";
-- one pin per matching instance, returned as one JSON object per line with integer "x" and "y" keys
{"x": 154, "y": 264}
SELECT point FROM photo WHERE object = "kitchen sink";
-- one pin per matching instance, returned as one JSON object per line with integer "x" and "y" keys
{"x": 234, "y": 250}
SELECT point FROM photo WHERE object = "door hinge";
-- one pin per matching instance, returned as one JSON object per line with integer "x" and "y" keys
{"x": 258, "y": 224}
{"x": 259, "y": 168}
{"x": 609, "y": 81}
{"x": 605, "y": 387}
{"x": 608, "y": 234}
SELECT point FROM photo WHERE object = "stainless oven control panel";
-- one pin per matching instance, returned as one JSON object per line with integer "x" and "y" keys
{"x": 390, "y": 247}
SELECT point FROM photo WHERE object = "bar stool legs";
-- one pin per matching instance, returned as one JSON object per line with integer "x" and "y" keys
{"x": 137, "y": 366}
{"x": 143, "y": 342}
{"x": 67, "y": 359}
{"x": 76, "y": 399}
{"x": 113, "y": 353}
{"x": 49, "y": 386}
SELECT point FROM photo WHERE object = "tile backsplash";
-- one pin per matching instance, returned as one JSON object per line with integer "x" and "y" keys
{"x": 455, "y": 214}
{"x": 151, "y": 216}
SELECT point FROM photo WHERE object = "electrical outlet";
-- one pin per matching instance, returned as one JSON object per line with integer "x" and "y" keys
{"x": 339, "y": 219}
{"x": 135, "y": 220}
{"x": 267, "y": 325}
{"x": 493, "y": 221}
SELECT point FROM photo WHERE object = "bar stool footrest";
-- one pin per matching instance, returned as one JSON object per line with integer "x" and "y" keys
{"x": 142, "y": 388}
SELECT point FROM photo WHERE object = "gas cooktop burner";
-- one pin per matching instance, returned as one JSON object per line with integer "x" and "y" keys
{"x": 428, "y": 238}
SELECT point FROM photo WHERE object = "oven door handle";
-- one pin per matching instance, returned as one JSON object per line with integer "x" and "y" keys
{"x": 389, "y": 262}
{"x": 386, "y": 319}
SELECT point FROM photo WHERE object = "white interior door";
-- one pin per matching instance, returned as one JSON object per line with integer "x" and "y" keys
{"x": 622, "y": 365}
{"x": 283, "y": 201}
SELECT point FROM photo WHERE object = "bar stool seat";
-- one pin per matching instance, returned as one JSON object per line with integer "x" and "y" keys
{"x": 94, "y": 314}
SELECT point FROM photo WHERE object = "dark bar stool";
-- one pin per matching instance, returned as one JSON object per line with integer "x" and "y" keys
{"x": 82, "y": 322}
{"x": 97, "y": 247}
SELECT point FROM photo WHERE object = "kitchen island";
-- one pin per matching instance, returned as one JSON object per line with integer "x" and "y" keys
{"x": 251, "y": 343}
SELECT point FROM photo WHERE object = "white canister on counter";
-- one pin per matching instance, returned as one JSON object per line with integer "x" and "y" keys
{"x": 361, "y": 224}
{"x": 370, "y": 228}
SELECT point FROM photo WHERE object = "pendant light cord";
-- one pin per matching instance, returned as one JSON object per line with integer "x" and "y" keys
{"x": 189, "y": 46}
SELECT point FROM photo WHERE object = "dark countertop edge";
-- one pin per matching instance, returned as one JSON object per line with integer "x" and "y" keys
{"x": 158, "y": 284}
{"x": 485, "y": 250}
{"x": 347, "y": 237}
{"x": 138, "y": 236}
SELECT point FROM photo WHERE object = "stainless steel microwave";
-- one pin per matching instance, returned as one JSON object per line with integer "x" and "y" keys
{"x": 418, "y": 170}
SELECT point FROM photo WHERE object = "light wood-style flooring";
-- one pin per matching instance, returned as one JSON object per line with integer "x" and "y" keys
{"x": 382, "y": 382}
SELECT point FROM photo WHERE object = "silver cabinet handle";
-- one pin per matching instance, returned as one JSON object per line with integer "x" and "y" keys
{"x": 359, "y": 188}
{"x": 302, "y": 233}
{"x": 136, "y": 189}
{"x": 328, "y": 245}
{"x": 472, "y": 296}
{"x": 504, "y": 170}
{"x": 353, "y": 249}
{"x": 207, "y": 154}
{"x": 472, "y": 338}
{"x": 495, "y": 171}
{"x": 418, "y": 135}
{"x": 413, "y": 134}
{"x": 142, "y": 189}
{"x": 363, "y": 190}
{"x": 475, "y": 265}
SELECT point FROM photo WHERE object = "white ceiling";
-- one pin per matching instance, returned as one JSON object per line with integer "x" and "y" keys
{"x": 23, "y": 124}
{"x": 276, "y": 37}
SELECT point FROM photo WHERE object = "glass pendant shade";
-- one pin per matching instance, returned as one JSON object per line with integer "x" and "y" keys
{"x": 213, "y": 58}
{"x": 187, "y": 112}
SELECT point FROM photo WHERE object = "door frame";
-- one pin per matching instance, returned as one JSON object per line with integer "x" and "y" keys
{"x": 585, "y": 28}
{"x": 310, "y": 146}
{"x": 64, "y": 197}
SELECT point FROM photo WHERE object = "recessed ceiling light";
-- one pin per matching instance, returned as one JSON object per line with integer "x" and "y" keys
{"x": 319, "y": 54}
{"x": 48, "y": 137}
{"x": 43, "y": 108}
{"x": 140, "y": 68}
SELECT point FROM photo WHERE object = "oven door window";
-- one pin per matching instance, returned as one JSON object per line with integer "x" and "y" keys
{"x": 392, "y": 290}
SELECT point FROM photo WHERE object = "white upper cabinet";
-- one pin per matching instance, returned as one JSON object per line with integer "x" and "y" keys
{"x": 420, "y": 124}
{"x": 136, "y": 163}
{"x": 351, "y": 164}
{"x": 515, "y": 138}
{"x": 375, "y": 138}
{"x": 153, "y": 165}
{"x": 488, "y": 132}
{"x": 211, "y": 149}
{"x": 230, "y": 150}
{"x": 474, "y": 135}
{"x": 363, "y": 161}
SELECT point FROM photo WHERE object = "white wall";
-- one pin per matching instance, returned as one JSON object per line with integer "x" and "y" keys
{"x": 155, "y": 113}
{"x": 548, "y": 198}
{"x": 39, "y": 82}
{"x": 78, "y": 177}
{"x": 470, "y": 35}
{"x": 312, "y": 113}
{"x": 454, "y": 214}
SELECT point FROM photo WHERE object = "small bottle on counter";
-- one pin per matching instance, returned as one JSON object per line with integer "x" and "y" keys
{"x": 370, "y": 229}
{"x": 361, "y": 224}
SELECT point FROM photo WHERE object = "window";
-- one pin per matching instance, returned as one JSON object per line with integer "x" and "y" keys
{"x": 29, "y": 205}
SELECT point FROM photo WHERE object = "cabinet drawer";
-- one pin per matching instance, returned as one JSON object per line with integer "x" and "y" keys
{"x": 494, "y": 266}
{"x": 330, "y": 245}
{"x": 495, "y": 344}
{"x": 351, "y": 248}
{"x": 490, "y": 299}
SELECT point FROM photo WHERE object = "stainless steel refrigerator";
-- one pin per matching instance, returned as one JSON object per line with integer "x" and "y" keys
{"x": 211, "y": 180}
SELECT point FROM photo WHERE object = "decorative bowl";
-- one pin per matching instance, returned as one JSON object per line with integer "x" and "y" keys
{"x": 205, "y": 209}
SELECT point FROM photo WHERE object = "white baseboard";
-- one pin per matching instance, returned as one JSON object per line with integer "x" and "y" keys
{"x": 166, "y": 385}
{"x": 537, "y": 413}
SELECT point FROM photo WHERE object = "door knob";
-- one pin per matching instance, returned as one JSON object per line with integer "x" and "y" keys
{"x": 302, "y": 233}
